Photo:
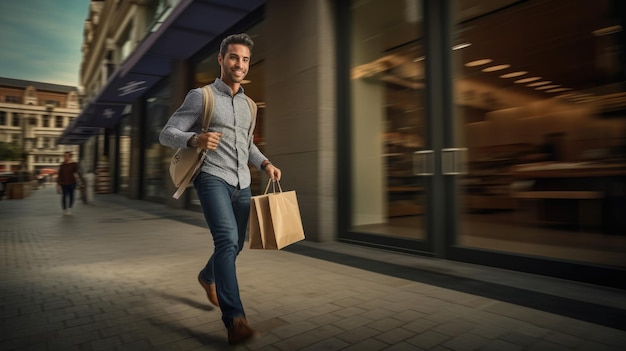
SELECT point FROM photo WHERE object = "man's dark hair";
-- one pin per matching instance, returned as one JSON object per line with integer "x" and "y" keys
{"x": 242, "y": 38}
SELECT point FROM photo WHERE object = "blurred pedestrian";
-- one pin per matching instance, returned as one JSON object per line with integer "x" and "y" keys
{"x": 67, "y": 182}
{"x": 223, "y": 183}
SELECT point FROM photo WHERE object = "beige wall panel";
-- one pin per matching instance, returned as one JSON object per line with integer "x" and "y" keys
{"x": 300, "y": 117}
{"x": 290, "y": 134}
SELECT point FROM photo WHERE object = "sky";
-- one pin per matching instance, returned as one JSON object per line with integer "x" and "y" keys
{"x": 40, "y": 40}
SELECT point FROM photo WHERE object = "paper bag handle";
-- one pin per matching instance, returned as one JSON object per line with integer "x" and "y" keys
{"x": 273, "y": 186}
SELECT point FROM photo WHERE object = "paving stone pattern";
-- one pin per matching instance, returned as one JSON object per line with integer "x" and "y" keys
{"x": 120, "y": 274}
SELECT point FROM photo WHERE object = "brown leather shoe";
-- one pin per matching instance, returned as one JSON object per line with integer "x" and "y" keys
{"x": 211, "y": 294}
{"x": 239, "y": 331}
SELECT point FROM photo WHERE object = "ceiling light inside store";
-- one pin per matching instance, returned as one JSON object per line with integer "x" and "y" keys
{"x": 582, "y": 99}
{"x": 418, "y": 59}
{"x": 478, "y": 63}
{"x": 558, "y": 90}
{"x": 496, "y": 68}
{"x": 568, "y": 95}
{"x": 461, "y": 46}
{"x": 536, "y": 84}
{"x": 547, "y": 87}
{"x": 513, "y": 74}
{"x": 527, "y": 80}
{"x": 607, "y": 30}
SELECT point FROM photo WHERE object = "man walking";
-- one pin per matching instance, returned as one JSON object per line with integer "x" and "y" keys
{"x": 67, "y": 182}
{"x": 223, "y": 183}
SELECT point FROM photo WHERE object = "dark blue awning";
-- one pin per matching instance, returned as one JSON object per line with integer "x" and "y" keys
{"x": 189, "y": 27}
{"x": 93, "y": 117}
{"x": 100, "y": 115}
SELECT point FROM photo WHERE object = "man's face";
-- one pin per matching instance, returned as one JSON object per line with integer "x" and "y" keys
{"x": 235, "y": 63}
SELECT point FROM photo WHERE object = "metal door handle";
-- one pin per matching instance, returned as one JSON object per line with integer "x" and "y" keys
{"x": 454, "y": 161}
{"x": 423, "y": 163}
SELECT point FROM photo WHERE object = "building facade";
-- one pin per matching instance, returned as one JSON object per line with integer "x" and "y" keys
{"x": 459, "y": 130}
{"x": 33, "y": 115}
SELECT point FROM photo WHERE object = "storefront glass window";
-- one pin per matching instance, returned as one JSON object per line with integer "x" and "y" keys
{"x": 540, "y": 99}
{"x": 124, "y": 154}
{"x": 388, "y": 117}
{"x": 157, "y": 156}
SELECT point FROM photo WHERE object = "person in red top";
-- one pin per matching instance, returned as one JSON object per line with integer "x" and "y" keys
{"x": 67, "y": 182}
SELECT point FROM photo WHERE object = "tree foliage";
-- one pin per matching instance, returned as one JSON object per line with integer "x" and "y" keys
{"x": 10, "y": 152}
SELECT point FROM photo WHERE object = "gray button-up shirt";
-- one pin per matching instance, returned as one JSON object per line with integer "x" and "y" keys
{"x": 231, "y": 117}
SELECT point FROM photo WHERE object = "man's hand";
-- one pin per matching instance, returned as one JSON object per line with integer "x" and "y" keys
{"x": 272, "y": 171}
{"x": 210, "y": 140}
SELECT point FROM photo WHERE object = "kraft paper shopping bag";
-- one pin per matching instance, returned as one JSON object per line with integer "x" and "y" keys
{"x": 260, "y": 220}
{"x": 275, "y": 220}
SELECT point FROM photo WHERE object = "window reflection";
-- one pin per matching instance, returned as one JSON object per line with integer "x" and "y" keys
{"x": 157, "y": 156}
{"x": 388, "y": 117}
{"x": 541, "y": 99}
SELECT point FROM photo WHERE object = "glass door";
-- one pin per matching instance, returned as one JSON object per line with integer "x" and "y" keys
{"x": 388, "y": 121}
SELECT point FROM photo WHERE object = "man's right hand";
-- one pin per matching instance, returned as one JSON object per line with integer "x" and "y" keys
{"x": 210, "y": 140}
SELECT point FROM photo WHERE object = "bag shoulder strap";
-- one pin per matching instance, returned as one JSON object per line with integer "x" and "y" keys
{"x": 207, "y": 104}
{"x": 207, "y": 101}
{"x": 253, "y": 112}
{"x": 253, "y": 107}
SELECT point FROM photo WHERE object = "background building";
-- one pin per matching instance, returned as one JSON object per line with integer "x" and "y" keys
{"x": 33, "y": 115}
{"x": 486, "y": 132}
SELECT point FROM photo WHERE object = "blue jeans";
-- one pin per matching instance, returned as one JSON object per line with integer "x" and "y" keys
{"x": 226, "y": 210}
{"x": 68, "y": 193}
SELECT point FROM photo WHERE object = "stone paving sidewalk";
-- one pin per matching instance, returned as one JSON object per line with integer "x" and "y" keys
{"x": 121, "y": 275}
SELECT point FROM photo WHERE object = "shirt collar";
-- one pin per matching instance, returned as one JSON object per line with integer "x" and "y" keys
{"x": 221, "y": 86}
